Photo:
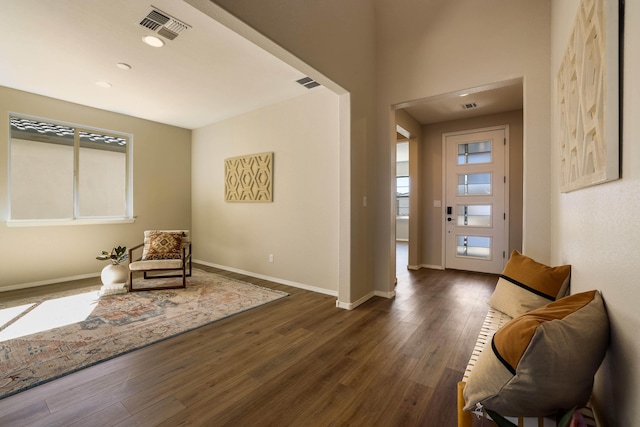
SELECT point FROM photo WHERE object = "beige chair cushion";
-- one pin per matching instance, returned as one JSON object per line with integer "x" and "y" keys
{"x": 161, "y": 264}
{"x": 525, "y": 285}
{"x": 544, "y": 361}
{"x": 161, "y": 245}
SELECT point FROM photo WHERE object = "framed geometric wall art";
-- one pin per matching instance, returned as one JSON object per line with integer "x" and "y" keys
{"x": 249, "y": 178}
{"x": 589, "y": 98}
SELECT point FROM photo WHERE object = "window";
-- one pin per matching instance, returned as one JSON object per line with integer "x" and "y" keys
{"x": 402, "y": 179}
{"x": 65, "y": 172}
{"x": 402, "y": 196}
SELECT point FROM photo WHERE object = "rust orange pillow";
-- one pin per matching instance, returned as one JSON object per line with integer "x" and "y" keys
{"x": 526, "y": 284}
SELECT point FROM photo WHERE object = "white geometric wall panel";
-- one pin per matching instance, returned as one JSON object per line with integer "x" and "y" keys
{"x": 588, "y": 98}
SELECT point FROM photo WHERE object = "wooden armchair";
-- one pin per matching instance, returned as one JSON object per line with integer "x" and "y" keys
{"x": 163, "y": 251}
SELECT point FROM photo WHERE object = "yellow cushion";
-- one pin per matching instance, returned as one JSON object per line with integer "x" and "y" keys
{"x": 526, "y": 284}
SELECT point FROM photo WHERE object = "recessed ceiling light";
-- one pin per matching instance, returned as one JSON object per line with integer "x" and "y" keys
{"x": 153, "y": 41}
{"x": 123, "y": 66}
{"x": 103, "y": 84}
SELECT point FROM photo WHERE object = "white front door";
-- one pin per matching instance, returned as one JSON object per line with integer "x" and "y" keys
{"x": 475, "y": 200}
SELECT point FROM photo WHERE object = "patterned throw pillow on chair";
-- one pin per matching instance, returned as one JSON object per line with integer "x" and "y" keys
{"x": 162, "y": 245}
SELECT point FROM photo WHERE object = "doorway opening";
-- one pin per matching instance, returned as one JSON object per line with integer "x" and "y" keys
{"x": 402, "y": 203}
{"x": 402, "y": 191}
{"x": 404, "y": 194}
{"x": 495, "y": 105}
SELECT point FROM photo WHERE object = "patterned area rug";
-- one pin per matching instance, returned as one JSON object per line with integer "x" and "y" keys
{"x": 83, "y": 329}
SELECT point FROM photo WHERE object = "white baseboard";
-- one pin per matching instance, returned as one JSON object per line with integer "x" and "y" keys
{"x": 388, "y": 295}
{"x": 48, "y": 282}
{"x": 352, "y": 305}
{"x": 419, "y": 266}
{"x": 271, "y": 279}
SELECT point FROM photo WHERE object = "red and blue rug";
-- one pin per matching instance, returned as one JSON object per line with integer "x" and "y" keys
{"x": 46, "y": 338}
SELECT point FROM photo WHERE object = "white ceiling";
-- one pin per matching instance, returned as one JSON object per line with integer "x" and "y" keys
{"x": 208, "y": 73}
{"x": 490, "y": 99}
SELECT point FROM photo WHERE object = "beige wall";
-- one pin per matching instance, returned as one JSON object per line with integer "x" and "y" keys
{"x": 596, "y": 229}
{"x": 431, "y": 48}
{"x": 384, "y": 53}
{"x": 162, "y": 195}
{"x": 431, "y": 179}
{"x": 301, "y": 227}
{"x": 336, "y": 38}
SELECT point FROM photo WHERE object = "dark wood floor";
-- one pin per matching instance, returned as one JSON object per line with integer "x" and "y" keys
{"x": 299, "y": 361}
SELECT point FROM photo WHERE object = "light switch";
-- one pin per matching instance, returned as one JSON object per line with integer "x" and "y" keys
{"x": 437, "y": 204}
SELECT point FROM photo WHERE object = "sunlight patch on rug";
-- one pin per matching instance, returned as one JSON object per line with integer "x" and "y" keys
{"x": 49, "y": 314}
{"x": 82, "y": 329}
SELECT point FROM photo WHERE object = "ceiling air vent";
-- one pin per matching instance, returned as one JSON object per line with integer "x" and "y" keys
{"x": 162, "y": 23}
{"x": 469, "y": 105}
{"x": 308, "y": 82}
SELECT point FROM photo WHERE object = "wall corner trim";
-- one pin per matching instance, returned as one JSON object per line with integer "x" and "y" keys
{"x": 352, "y": 305}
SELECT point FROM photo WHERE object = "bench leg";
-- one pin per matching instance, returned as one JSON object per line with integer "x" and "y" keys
{"x": 464, "y": 417}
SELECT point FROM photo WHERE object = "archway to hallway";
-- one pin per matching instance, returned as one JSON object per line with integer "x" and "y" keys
{"x": 434, "y": 116}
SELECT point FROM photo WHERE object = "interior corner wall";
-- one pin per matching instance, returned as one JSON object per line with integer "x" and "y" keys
{"x": 431, "y": 159}
{"x": 405, "y": 121}
{"x": 300, "y": 228}
{"x": 427, "y": 49}
{"x": 410, "y": 124}
{"x": 337, "y": 39}
{"x": 32, "y": 256}
{"x": 596, "y": 229}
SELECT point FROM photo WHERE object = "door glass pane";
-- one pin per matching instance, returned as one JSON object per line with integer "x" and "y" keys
{"x": 474, "y": 184}
{"x": 474, "y": 153}
{"x": 474, "y": 215}
{"x": 474, "y": 246}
